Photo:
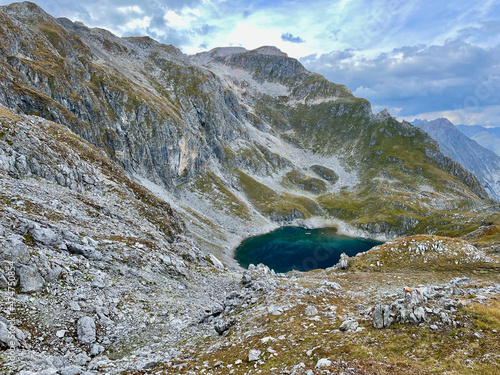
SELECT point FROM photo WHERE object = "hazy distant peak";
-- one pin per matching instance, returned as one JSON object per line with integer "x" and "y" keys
{"x": 441, "y": 122}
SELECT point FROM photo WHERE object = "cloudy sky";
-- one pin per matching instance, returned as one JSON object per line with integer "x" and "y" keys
{"x": 418, "y": 58}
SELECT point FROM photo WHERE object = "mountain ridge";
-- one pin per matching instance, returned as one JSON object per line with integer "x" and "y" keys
{"x": 485, "y": 164}
{"x": 237, "y": 122}
{"x": 486, "y": 137}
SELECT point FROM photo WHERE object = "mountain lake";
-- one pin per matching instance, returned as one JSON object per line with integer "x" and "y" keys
{"x": 296, "y": 248}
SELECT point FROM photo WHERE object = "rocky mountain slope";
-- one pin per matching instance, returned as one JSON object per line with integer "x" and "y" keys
{"x": 487, "y": 137}
{"x": 238, "y": 142}
{"x": 98, "y": 275}
{"x": 129, "y": 171}
{"x": 484, "y": 163}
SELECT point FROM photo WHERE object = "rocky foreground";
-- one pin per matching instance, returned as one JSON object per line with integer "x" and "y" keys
{"x": 98, "y": 275}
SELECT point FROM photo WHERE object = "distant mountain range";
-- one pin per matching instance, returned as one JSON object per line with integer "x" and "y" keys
{"x": 484, "y": 163}
{"x": 486, "y": 137}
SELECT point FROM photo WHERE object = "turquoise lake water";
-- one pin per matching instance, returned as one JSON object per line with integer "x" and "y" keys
{"x": 295, "y": 248}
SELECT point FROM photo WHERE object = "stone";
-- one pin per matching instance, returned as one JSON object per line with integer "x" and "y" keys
{"x": 87, "y": 251}
{"x": 49, "y": 371}
{"x": 419, "y": 313}
{"x": 311, "y": 310}
{"x": 96, "y": 349}
{"x": 98, "y": 283}
{"x": 81, "y": 359}
{"x": 61, "y": 333}
{"x": 253, "y": 355}
{"x": 323, "y": 362}
{"x": 15, "y": 250}
{"x": 275, "y": 310}
{"x": 332, "y": 285}
{"x": 344, "y": 261}
{"x": 246, "y": 278}
{"x": 86, "y": 330}
{"x": 150, "y": 365}
{"x": 220, "y": 327}
{"x": 216, "y": 262}
{"x": 69, "y": 236}
{"x": 74, "y": 306}
{"x": 445, "y": 317}
{"x": 70, "y": 370}
{"x": 433, "y": 327}
{"x": 349, "y": 325}
{"x": 382, "y": 317}
{"x": 30, "y": 280}
{"x": 44, "y": 236}
{"x": 7, "y": 338}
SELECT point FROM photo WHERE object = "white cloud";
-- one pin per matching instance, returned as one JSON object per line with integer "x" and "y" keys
{"x": 138, "y": 23}
{"x": 131, "y": 9}
{"x": 183, "y": 19}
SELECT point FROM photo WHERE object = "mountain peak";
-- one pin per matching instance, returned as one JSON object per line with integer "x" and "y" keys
{"x": 270, "y": 50}
{"x": 25, "y": 9}
{"x": 441, "y": 122}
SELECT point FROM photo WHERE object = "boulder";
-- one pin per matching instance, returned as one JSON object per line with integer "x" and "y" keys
{"x": 323, "y": 362}
{"x": 7, "y": 338}
{"x": 419, "y": 313}
{"x": 253, "y": 355}
{"x": 216, "y": 262}
{"x": 96, "y": 349}
{"x": 246, "y": 278}
{"x": 44, "y": 236}
{"x": 30, "y": 280}
{"x": 87, "y": 251}
{"x": 349, "y": 325}
{"x": 311, "y": 310}
{"x": 86, "y": 330}
{"x": 382, "y": 317}
{"x": 344, "y": 261}
{"x": 14, "y": 249}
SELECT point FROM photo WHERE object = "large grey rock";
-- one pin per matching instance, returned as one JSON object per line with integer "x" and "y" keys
{"x": 419, "y": 313}
{"x": 349, "y": 325}
{"x": 216, "y": 262}
{"x": 246, "y": 278}
{"x": 253, "y": 355}
{"x": 87, "y": 251}
{"x": 81, "y": 359}
{"x": 86, "y": 330}
{"x": 323, "y": 362}
{"x": 44, "y": 236}
{"x": 71, "y": 370}
{"x": 7, "y": 338}
{"x": 382, "y": 317}
{"x": 30, "y": 280}
{"x": 344, "y": 261}
{"x": 96, "y": 349}
{"x": 332, "y": 285}
{"x": 311, "y": 310}
{"x": 14, "y": 249}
